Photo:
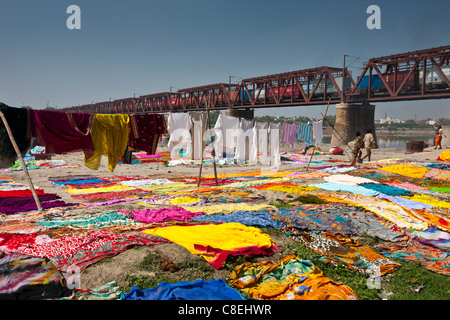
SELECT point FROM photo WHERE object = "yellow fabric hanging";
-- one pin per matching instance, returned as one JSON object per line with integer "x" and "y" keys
{"x": 110, "y": 137}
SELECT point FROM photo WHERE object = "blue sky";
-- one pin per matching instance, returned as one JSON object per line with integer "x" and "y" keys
{"x": 147, "y": 46}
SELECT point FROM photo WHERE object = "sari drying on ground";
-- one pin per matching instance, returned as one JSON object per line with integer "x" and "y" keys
{"x": 216, "y": 242}
{"x": 429, "y": 257}
{"x": 24, "y": 277}
{"x": 289, "y": 278}
{"x": 339, "y": 249}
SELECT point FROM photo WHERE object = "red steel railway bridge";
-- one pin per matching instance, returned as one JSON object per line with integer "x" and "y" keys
{"x": 418, "y": 75}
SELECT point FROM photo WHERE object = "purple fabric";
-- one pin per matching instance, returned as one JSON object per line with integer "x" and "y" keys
{"x": 162, "y": 215}
{"x": 15, "y": 205}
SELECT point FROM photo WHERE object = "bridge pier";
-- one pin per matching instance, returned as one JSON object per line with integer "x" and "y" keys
{"x": 247, "y": 114}
{"x": 351, "y": 118}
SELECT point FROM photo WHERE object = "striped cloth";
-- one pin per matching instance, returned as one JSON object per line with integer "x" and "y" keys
{"x": 304, "y": 132}
{"x": 289, "y": 134}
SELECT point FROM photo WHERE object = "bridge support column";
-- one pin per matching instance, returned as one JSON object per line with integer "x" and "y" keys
{"x": 445, "y": 143}
{"x": 247, "y": 114}
{"x": 351, "y": 118}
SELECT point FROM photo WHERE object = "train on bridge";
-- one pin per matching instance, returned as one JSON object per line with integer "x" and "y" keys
{"x": 417, "y": 75}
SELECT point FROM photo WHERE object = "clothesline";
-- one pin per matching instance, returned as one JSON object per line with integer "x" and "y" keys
{"x": 96, "y": 135}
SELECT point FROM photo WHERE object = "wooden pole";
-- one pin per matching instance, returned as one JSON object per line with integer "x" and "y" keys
{"x": 24, "y": 166}
{"x": 213, "y": 151}
{"x": 314, "y": 149}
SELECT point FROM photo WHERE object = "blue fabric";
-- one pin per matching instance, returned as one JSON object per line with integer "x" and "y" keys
{"x": 80, "y": 181}
{"x": 247, "y": 218}
{"x": 387, "y": 189}
{"x": 331, "y": 186}
{"x": 197, "y": 290}
{"x": 407, "y": 203}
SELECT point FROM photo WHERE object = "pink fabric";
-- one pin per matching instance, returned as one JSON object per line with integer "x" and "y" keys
{"x": 162, "y": 215}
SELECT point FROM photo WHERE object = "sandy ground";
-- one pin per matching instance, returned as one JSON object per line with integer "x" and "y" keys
{"x": 126, "y": 262}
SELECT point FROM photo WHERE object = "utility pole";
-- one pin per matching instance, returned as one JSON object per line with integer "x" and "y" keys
{"x": 343, "y": 80}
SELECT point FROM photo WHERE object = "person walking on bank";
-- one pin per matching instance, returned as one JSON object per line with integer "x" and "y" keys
{"x": 369, "y": 144}
{"x": 438, "y": 139}
{"x": 357, "y": 149}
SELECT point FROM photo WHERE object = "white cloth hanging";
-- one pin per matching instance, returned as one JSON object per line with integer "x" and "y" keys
{"x": 198, "y": 128}
{"x": 178, "y": 127}
{"x": 260, "y": 142}
{"x": 226, "y": 130}
{"x": 244, "y": 140}
{"x": 274, "y": 137}
{"x": 317, "y": 132}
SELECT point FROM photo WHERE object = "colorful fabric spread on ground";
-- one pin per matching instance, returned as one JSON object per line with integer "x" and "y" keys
{"x": 23, "y": 277}
{"x": 162, "y": 214}
{"x": 287, "y": 279}
{"x": 216, "y": 242}
{"x": 429, "y": 257}
{"x": 406, "y": 170}
{"x": 326, "y": 219}
{"x": 77, "y": 252}
{"x": 339, "y": 249}
{"x": 197, "y": 290}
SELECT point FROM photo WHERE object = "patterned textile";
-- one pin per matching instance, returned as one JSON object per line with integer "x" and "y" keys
{"x": 13, "y": 243}
{"x": 229, "y": 208}
{"x": 197, "y": 290}
{"x": 286, "y": 187}
{"x": 289, "y": 278}
{"x": 87, "y": 221}
{"x": 216, "y": 242}
{"x": 432, "y": 237}
{"x": 429, "y": 257}
{"x": 111, "y": 195}
{"x": 30, "y": 278}
{"x": 247, "y": 218}
{"x": 289, "y": 133}
{"x": 19, "y": 226}
{"x": 390, "y": 211}
{"x": 77, "y": 252}
{"x": 325, "y": 219}
{"x": 146, "y": 131}
{"x": 339, "y": 249}
{"x": 304, "y": 132}
{"x": 109, "y": 291}
{"x": 438, "y": 174}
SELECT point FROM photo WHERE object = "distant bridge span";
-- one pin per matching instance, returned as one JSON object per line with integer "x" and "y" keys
{"x": 417, "y": 75}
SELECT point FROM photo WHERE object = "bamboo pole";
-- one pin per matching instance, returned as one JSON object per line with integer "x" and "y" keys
{"x": 314, "y": 149}
{"x": 24, "y": 166}
{"x": 213, "y": 152}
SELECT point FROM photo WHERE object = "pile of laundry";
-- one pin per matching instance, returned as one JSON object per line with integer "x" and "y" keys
{"x": 403, "y": 204}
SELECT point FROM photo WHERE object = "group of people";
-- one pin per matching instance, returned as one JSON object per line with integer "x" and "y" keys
{"x": 368, "y": 142}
